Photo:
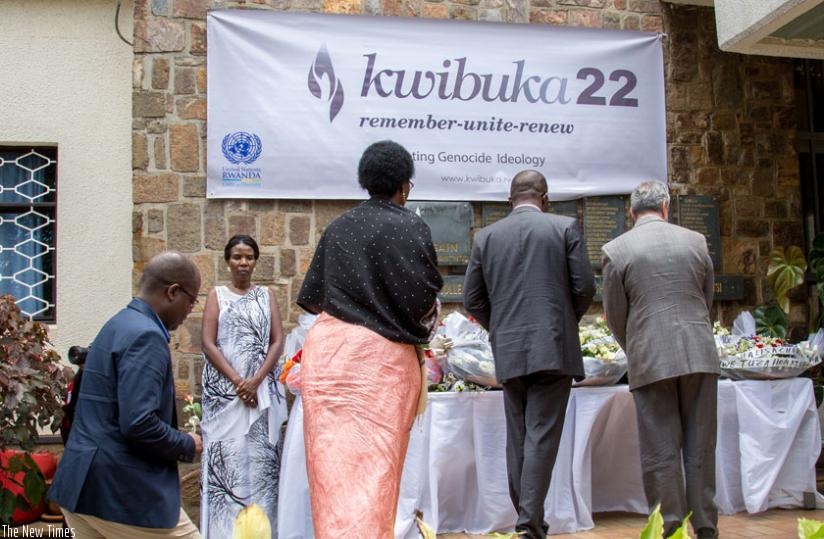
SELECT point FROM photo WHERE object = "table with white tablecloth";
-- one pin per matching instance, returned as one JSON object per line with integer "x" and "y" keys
{"x": 455, "y": 471}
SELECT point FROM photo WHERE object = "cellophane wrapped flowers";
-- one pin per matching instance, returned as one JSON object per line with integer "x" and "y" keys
{"x": 744, "y": 354}
{"x": 604, "y": 361}
{"x": 464, "y": 353}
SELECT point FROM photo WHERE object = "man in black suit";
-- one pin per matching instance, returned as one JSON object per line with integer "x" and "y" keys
{"x": 529, "y": 282}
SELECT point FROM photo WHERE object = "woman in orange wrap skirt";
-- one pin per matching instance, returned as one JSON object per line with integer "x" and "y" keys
{"x": 374, "y": 281}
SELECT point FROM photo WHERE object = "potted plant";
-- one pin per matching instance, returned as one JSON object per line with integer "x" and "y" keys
{"x": 32, "y": 384}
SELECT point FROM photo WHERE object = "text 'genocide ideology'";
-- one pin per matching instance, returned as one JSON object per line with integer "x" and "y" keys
{"x": 480, "y": 157}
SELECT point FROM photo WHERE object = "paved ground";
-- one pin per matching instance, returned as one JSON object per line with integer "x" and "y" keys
{"x": 773, "y": 524}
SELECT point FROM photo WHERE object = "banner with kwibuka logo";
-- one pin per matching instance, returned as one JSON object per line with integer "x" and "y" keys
{"x": 295, "y": 98}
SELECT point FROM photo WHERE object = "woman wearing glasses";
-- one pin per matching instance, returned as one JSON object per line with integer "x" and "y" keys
{"x": 243, "y": 406}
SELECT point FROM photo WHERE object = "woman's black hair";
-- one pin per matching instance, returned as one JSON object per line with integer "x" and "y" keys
{"x": 383, "y": 167}
{"x": 239, "y": 239}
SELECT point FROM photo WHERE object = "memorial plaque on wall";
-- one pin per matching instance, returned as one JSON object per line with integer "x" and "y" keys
{"x": 450, "y": 223}
{"x": 727, "y": 288}
{"x": 569, "y": 208}
{"x": 452, "y": 291}
{"x": 605, "y": 219}
{"x": 700, "y": 213}
{"x": 599, "y": 289}
{"x": 492, "y": 213}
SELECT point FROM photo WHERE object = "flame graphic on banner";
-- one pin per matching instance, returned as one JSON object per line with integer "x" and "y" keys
{"x": 322, "y": 67}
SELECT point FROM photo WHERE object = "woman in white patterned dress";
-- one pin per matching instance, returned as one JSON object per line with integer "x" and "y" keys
{"x": 243, "y": 405}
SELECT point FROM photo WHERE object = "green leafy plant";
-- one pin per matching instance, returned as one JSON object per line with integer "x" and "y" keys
{"x": 655, "y": 526}
{"x": 784, "y": 272}
{"x": 770, "y": 321}
{"x": 816, "y": 265}
{"x": 22, "y": 485}
{"x": 32, "y": 384}
{"x": 810, "y": 529}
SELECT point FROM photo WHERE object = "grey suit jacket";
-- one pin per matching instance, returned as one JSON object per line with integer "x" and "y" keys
{"x": 658, "y": 289}
{"x": 529, "y": 282}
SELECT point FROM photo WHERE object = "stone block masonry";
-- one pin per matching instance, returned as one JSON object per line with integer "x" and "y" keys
{"x": 730, "y": 127}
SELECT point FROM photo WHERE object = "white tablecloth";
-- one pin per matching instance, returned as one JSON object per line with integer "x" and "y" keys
{"x": 455, "y": 471}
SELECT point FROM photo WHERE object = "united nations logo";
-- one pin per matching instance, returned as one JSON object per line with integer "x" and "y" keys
{"x": 241, "y": 147}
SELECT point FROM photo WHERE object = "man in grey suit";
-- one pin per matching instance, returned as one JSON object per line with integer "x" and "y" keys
{"x": 529, "y": 282}
{"x": 658, "y": 289}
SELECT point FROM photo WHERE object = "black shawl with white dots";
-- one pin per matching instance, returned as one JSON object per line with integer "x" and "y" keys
{"x": 375, "y": 266}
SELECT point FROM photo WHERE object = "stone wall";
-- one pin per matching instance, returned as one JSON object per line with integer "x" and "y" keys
{"x": 730, "y": 129}
{"x": 730, "y": 133}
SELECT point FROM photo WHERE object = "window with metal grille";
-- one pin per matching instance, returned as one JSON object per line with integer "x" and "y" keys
{"x": 28, "y": 206}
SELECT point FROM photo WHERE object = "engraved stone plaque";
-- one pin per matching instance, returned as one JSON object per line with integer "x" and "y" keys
{"x": 599, "y": 289}
{"x": 727, "y": 288}
{"x": 492, "y": 213}
{"x": 604, "y": 219}
{"x": 569, "y": 208}
{"x": 700, "y": 213}
{"x": 452, "y": 291}
{"x": 450, "y": 223}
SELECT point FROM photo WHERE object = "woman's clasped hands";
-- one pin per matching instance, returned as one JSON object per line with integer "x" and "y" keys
{"x": 247, "y": 391}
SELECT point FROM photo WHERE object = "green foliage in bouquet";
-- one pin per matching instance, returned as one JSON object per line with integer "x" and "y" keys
{"x": 770, "y": 321}
{"x": 810, "y": 529}
{"x": 32, "y": 385}
{"x": 192, "y": 413}
{"x": 450, "y": 382}
{"x": 655, "y": 526}
{"x": 596, "y": 342}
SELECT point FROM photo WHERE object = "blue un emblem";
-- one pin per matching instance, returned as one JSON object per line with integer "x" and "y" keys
{"x": 241, "y": 147}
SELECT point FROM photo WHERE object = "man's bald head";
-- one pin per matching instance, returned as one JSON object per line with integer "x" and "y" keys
{"x": 166, "y": 268}
{"x": 170, "y": 284}
{"x": 528, "y": 186}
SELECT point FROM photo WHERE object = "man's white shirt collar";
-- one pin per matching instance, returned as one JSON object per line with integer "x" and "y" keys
{"x": 527, "y": 204}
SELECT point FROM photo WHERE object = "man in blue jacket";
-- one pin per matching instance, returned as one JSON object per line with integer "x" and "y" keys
{"x": 118, "y": 475}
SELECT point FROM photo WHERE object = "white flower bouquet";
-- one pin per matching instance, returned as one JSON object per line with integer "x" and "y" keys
{"x": 743, "y": 354}
{"x": 462, "y": 346}
{"x": 604, "y": 361}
